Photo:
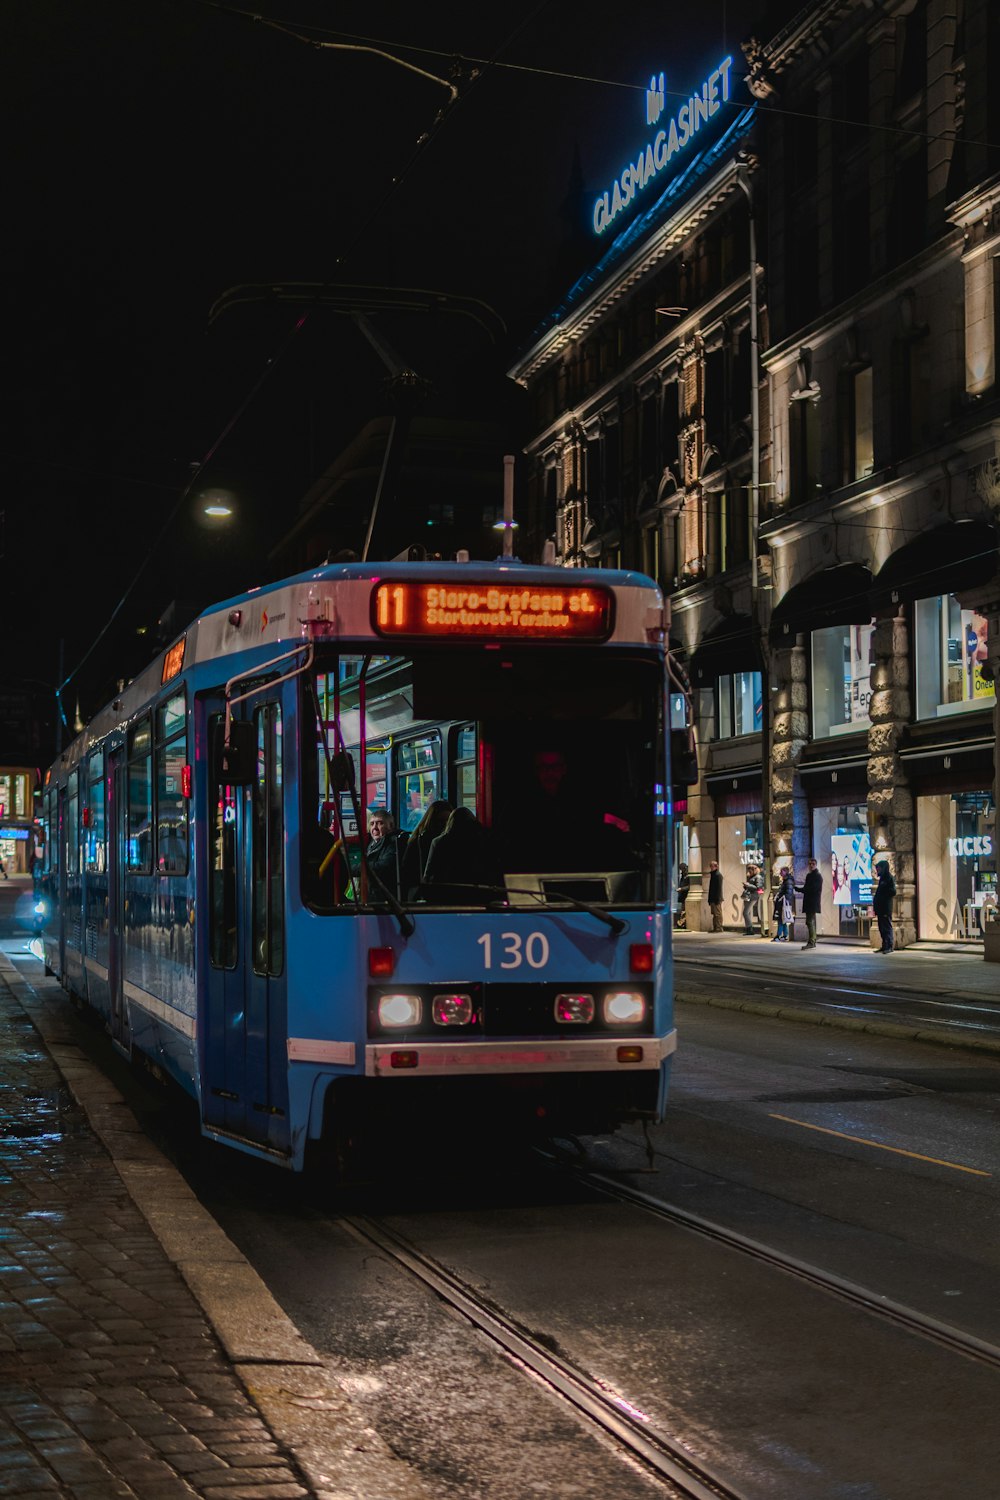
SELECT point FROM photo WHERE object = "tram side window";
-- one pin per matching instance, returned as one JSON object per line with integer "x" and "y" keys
{"x": 268, "y": 846}
{"x": 463, "y": 792}
{"x": 222, "y": 868}
{"x": 52, "y": 831}
{"x": 94, "y": 841}
{"x": 73, "y": 824}
{"x": 139, "y": 844}
{"x": 171, "y": 804}
{"x": 418, "y": 778}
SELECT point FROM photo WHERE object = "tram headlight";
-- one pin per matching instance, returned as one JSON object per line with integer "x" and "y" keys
{"x": 574, "y": 1010}
{"x": 624, "y": 1008}
{"x": 452, "y": 1010}
{"x": 399, "y": 1010}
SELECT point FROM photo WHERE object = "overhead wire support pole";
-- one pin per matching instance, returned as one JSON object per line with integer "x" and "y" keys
{"x": 760, "y": 641}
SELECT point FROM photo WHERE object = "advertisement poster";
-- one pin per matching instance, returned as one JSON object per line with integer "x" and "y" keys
{"x": 859, "y": 690}
{"x": 851, "y": 877}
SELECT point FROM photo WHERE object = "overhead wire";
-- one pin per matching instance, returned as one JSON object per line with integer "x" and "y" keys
{"x": 184, "y": 495}
{"x": 301, "y": 30}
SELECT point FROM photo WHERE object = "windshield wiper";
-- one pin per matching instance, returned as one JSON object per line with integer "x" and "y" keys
{"x": 573, "y": 902}
{"x": 407, "y": 926}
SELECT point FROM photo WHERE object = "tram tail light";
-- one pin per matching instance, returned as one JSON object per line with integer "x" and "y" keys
{"x": 451, "y": 1010}
{"x": 408, "y": 1059}
{"x": 640, "y": 958}
{"x": 574, "y": 1010}
{"x": 624, "y": 1008}
{"x": 381, "y": 962}
{"x": 630, "y": 1054}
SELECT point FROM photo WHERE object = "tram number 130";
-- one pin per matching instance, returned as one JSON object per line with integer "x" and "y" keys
{"x": 532, "y": 950}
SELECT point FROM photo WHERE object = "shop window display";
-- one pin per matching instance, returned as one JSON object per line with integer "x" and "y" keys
{"x": 956, "y": 864}
{"x": 841, "y": 679}
{"x": 951, "y": 648}
{"x": 843, "y": 850}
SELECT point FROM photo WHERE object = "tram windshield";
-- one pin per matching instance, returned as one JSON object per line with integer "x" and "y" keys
{"x": 519, "y": 776}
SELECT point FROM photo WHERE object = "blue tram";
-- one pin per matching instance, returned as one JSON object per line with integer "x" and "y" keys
{"x": 217, "y": 899}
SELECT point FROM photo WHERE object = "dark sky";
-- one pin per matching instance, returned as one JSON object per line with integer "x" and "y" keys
{"x": 157, "y": 154}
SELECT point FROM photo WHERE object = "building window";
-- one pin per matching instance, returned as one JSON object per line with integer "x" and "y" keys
{"x": 803, "y": 439}
{"x": 734, "y": 541}
{"x": 951, "y": 652}
{"x": 841, "y": 679}
{"x": 739, "y": 702}
{"x": 862, "y": 424}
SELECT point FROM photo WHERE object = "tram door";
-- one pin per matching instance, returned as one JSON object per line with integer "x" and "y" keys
{"x": 116, "y": 801}
{"x": 245, "y": 1088}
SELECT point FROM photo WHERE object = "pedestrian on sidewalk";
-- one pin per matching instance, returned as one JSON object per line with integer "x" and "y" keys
{"x": 885, "y": 895}
{"x": 683, "y": 887}
{"x": 3, "y": 869}
{"x": 752, "y": 887}
{"x": 715, "y": 895}
{"x": 784, "y": 907}
{"x": 811, "y": 891}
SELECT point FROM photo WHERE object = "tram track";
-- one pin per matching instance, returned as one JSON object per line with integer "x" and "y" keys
{"x": 961, "y": 1011}
{"x": 885, "y": 1308}
{"x": 592, "y": 1400}
{"x": 599, "y": 1406}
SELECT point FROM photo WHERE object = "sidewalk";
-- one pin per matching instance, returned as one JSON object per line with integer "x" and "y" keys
{"x": 950, "y": 995}
{"x": 140, "y": 1355}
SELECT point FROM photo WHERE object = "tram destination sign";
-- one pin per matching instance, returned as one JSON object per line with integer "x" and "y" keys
{"x": 524, "y": 612}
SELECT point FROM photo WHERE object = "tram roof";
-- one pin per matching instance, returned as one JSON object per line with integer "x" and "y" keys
{"x": 240, "y": 633}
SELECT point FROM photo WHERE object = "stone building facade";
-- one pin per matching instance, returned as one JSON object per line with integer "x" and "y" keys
{"x": 833, "y": 571}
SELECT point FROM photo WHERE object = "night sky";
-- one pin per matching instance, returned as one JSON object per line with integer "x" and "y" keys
{"x": 159, "y": 154}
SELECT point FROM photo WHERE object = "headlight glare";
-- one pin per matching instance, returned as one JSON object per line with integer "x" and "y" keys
{"x": 624, "y": 1008}
{"x": 399, "y": 1010}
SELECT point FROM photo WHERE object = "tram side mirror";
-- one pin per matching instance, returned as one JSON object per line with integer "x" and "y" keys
{"x": 683, "y": 759}
{"x": 342, "y": 771}
{"x": 236, "y": 763}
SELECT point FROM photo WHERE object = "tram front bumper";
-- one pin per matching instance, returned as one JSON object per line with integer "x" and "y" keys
{"x": 604, "y": 1054}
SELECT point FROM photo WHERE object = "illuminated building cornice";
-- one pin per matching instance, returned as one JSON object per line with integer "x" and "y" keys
{"x": 640, "y": 248}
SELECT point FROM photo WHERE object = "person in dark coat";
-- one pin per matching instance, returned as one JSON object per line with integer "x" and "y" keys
{"x": 715, "y": 895}
{"x": 885, "y": 895}
{"x": 418, "y": 848}
{"x": 811, "y": 891}
{"x": 784, "y": 907}
{"x": 752, "y": 885}
{"x": 683, "y": 887}
{"x": 461, "y": 857}
{"x": 385, "y": 852}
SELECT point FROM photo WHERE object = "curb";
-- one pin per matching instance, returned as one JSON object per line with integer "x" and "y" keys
{"x": 895, "y": 1029}
{"x": 288, "y": 1381}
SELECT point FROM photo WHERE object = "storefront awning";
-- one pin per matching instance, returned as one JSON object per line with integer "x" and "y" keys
{"x": 945, "y": 560}
{"x": 728, "y": 648}
{"x": 833, "y": 596}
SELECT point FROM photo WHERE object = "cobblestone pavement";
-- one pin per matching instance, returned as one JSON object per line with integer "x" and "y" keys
{"x": 112, "y": 1382}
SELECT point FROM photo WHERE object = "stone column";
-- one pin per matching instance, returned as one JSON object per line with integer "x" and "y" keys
{"x": 791, "y": 836}
{"x": 890, "y": 801}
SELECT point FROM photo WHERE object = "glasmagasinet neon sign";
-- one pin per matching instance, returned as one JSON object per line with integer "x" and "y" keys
{"x": 665, "y": 144}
